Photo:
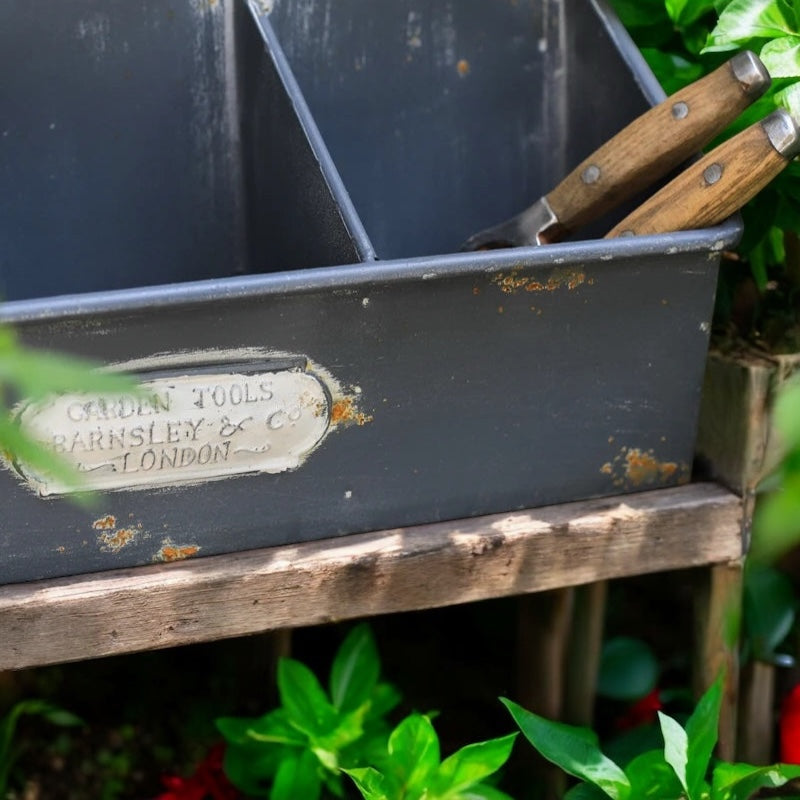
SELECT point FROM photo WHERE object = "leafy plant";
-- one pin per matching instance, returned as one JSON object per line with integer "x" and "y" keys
{"x": 777, "y": 521}
{"x": 32, "y": 375}
{"x": 410, "y": 768}
{"x": 769, "y": 611}
{"x": 9, "y": 750}
{"x": 684, "y": 768}
{"x": 684, "y": 39}
{"x": 302, "y": 746}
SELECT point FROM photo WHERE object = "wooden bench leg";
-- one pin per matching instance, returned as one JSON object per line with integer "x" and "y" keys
{"x": 756, "y": 736}
{"x": 542, "y": 638}
{"x": 583, "y": 654}
{"x": 718, "y": 616}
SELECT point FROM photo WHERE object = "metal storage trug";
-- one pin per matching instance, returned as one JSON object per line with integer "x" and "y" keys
{"x": 259, "y": 208}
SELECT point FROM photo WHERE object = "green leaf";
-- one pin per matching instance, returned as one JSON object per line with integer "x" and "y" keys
{"x": 684, "y": 12}
{"x": 628, "y": 669}
{"x": 472, "y": 764}
{"x": 370, "y": 783}
{"x": 786, "y": 414}
{"x": 641, "y": 13}
{"x": 676, "y": 749}
{"x": 370, "y": 749}
{"x": 651, "y": 776}
{"x": 742, "y": 21}
{"x": 38, "y": 373}
{"x": 673, "y": 71}
{"x": 275, "y": 728}
{"x": 355, "y": 669}
{"x": 483, "y": 791}
{"x": 62, "y": 718}
{"x": 251, "y": 767}
{"x": 383, "y": 699}
{"x": 328, "y": 758}
{"x": 573, "y": 749}
{"x": 741, "y": 781}
{"x": 21, "y": 448}
{"x": 789, "y": 98}
{"x": 234, "y": 729}
{"x": 769, "y": 609}
{"x": 776, "y": 525}
{"x": 349, "y": 728}
{"x": 629, "y": 744}
{"x": 782, "y": 57}
{"x": 297, "y": 777}
{"x": 702, "y": 731}
{"x": 8, "y": 725}
{"x": 585, "y": 791}
{"x": 304, "y": 700}
{"x": 414, "y": 750}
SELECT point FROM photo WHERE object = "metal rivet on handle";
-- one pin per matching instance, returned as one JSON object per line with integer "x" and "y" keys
{"x": 712, "y": 173}
{"x": 680, "y": 110}
{"x": 591, "y": 174}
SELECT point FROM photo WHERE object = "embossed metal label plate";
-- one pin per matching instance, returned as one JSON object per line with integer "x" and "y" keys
{"x": 183, "y": 429}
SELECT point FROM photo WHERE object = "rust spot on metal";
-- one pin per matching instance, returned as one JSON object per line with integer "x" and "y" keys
{"x": 560, "y": 278}
{"x": 173, "y": 552}
{"x": 114, "y": 541}
{"x": 106, "y": 523}
{"x": 634, "y": 467}
{"x": 344, "y": 411}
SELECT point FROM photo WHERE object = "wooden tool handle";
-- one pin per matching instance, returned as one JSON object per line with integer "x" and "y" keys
{"x": 657, "y": 142}
{"x": 721, "y": 182}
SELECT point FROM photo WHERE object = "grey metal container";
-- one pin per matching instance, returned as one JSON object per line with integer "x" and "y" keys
{"x": 259, "y": 210}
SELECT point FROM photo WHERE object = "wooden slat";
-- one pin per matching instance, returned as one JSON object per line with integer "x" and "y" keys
{"x": 756, "y": 731}
{"x": 718, "y": 618}
{"x": 367, "y": 574}
{"x": 584, "y": 653}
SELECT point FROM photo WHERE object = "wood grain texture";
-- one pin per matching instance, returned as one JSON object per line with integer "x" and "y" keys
{"x": 736, "y": 437}
{"x": 756, "y": 714}
{"x": 718, "y": 618}
{"x": 584, "y": 653}
{"x": 649, "y": 147}
{"x": 361, "y": 575}
{"x": 543, "y": 630}
{"x": 746, "y": 163}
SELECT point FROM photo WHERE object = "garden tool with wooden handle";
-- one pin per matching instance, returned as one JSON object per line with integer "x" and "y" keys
{"x": 721, "y": 182}
{"x": 644, "y": 151}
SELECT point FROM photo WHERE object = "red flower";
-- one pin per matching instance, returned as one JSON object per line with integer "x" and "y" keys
{"x": 789, "y": 726}
{"x": 207, "y": 783}
{"x": 641, "y": 712}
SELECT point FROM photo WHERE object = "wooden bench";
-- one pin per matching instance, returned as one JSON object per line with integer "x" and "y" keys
{"x": 446, "y": 563}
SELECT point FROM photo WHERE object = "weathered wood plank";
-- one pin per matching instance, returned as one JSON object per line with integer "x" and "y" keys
{"x": 756, "y": 719}
{"x": 718, "y": 624}
{"x": 736, "y": 436}
{"x": 366, "y": 574}
{"x": 543, "y": 630}
{"x": 584, "y": 652}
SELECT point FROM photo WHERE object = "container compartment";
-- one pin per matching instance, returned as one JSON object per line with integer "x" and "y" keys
{"x": 444, "y": 117}
{"x": 147, "y": 143}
